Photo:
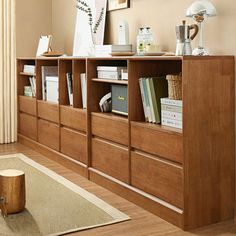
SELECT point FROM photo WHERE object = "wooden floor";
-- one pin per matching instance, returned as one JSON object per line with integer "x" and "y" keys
{"x": 142, "y": 223}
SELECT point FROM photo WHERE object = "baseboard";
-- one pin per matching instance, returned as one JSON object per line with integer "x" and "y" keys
{"x": 150, "y": 203}
{"x": 58, "y": 157}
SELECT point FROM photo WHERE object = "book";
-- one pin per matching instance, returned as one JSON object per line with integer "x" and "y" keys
{"x": 33, "y": 85}
{"x": 69, "y": 80}
{"x": 171, "y": 123}
{"x": 111, "y": 68}
{"x": 52, "y": 89}
{"x": 172, "y": 102}
{"x": 29, "y": 69}
{"x": 113, "y": 75}
{"x": 47, "y": 71}
{"x": 143, "y": 100}
{"x": 147, "y": 100}
{"x": 83, "y": 81}
{"x": 158, "y": 89}
{"x": 106, "y": 50}
{"x": 171, "y": 115}
{"x": 28, "y": 91}
{"x": 153, "y": 118}
{"x": 171, "y": 108}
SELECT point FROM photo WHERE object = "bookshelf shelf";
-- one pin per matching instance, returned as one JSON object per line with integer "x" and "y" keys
{"x": 110, "y": 81}
{"x": 160, "y": 168}
{"x": 27, "y": 74}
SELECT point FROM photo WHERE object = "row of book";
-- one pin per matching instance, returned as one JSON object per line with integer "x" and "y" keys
{"x": 112, "y": 72}
{"x": 152, "y": 90}
{"x": 30, "y": 91}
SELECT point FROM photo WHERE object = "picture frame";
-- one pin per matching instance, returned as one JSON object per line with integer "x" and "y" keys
{"x": 118, "y": 4}
{"x": 44, "y": 45}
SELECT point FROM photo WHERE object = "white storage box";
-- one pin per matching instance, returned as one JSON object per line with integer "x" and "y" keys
{"x": 52, "y": 89}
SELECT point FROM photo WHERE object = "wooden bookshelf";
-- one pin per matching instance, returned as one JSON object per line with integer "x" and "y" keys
{"x": 185, "y": 176}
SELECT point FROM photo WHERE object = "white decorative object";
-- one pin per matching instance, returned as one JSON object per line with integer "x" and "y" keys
{"x": 44, "y": 45}
{"x": 200, "y": 10}
{"x": 123, "y": 33}
{"x": 90, "y": 26}
{"x": 52, "y": 89}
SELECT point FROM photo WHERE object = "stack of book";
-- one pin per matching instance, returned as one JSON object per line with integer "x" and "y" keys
{"x": 28, "y": 91}
{"x": 29, "y": 69}
{"x": 111, "y": 72}
{"x": 152, "y": 90}
{"x": 107, "y": 50}
{"x": 171, "y": 112}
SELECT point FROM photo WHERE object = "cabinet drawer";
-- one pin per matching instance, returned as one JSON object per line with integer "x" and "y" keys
{"x": 73, "y": 144}
{"x": 48, "y": 111}
{"x": 110, "y": 128}
{"x": 110, "y": 159}
{"x": 28, "y": 126}
{"x": 158, "y": 178}
{"x": 73, "y": 118}
{"x": 48, "y": 134}
{"x": 27, "y": 105}
{"x": 158, "y": 142}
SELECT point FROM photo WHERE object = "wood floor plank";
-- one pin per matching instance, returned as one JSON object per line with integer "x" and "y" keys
{"x": 142, "y": 222}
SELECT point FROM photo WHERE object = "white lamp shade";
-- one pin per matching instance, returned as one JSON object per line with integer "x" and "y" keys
{"x": 201, "y": 6}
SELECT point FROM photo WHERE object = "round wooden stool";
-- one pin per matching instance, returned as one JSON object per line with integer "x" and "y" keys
{"x": 12, "y": 191}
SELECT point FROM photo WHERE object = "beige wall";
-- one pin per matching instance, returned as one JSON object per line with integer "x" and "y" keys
{"x": 161, "y": 15}
{"x": 33, "y": 18}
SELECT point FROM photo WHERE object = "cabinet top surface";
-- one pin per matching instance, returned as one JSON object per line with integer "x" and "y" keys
{"x": 135, "y": 58}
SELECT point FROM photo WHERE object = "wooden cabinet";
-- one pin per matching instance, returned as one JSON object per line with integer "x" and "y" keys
{"x": 186, "y": 176}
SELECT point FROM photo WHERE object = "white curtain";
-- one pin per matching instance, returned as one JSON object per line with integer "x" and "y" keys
{"x": 8, "y": 104}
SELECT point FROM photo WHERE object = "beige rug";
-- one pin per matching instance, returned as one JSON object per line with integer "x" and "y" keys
{"x": 54, "y": 205}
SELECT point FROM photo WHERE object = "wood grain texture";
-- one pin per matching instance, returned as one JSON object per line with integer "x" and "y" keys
{"x": 28, "y": 126}
{"x": 78, "y": 67}
{"x": 48, "y": 111}
{"x": 28, "y": 105}
{"x": 73, "y": 144}
{"x": 48, "y": 134}
{"x": 156, "y": 177}
{"x": 209, "y": 140}
{"x": 110, "y": 159}
{"x": 111, "y": 127}
{"x": 73, "y": 118}
{"x": 159, "y": 142}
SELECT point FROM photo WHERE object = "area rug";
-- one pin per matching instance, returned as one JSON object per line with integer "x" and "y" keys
{"x": 54, "y": 205}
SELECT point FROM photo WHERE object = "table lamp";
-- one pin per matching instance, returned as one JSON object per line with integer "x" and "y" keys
{"x": 199, "y": 11}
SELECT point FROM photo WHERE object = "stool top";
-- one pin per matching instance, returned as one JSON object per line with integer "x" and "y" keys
{"x": 11, "y": 173}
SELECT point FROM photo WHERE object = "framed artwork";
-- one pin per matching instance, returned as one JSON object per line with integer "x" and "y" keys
{"x": 44, "y": 45}
{"x": 118, "y": 4}
{"x": 90, "y": 26}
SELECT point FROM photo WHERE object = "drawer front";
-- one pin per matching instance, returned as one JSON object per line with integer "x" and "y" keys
{"x": 110, "y": 159}
{"x": 48, "y": 134}
{"x": 48, "y": 111}
{"x": 158, "y": 178}
{"x": 73, "y": 118}
{"x": 114, "y": 130}
{"x": 27, "y": 105}
{"x": 28, "y": 126}
{"x": 73, "y": 144}
{"x": 164, "y": 144}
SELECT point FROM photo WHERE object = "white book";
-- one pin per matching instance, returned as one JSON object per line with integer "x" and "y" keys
{"x": 32, "y": 86}
{"x": 153, "y": 119}
{"x": 147, "y": 100}
{"x": 47, "y": 71}
{"x": 113, "y": 75}
{"x": 52, "y": 89}
{"x": 69, "y": 80}
{"x": 171, "y": 108}
{"x": 167, "y": 101}
{"x": 83, "y": 81}
{"x": 143, "y": 100}
{"x": 171, "y": 115}
{"x": 111, "y": 68}
{"x": 29, "y": 69}
{"x": 171, "y": 123}
{"x": 113, "y": 48}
